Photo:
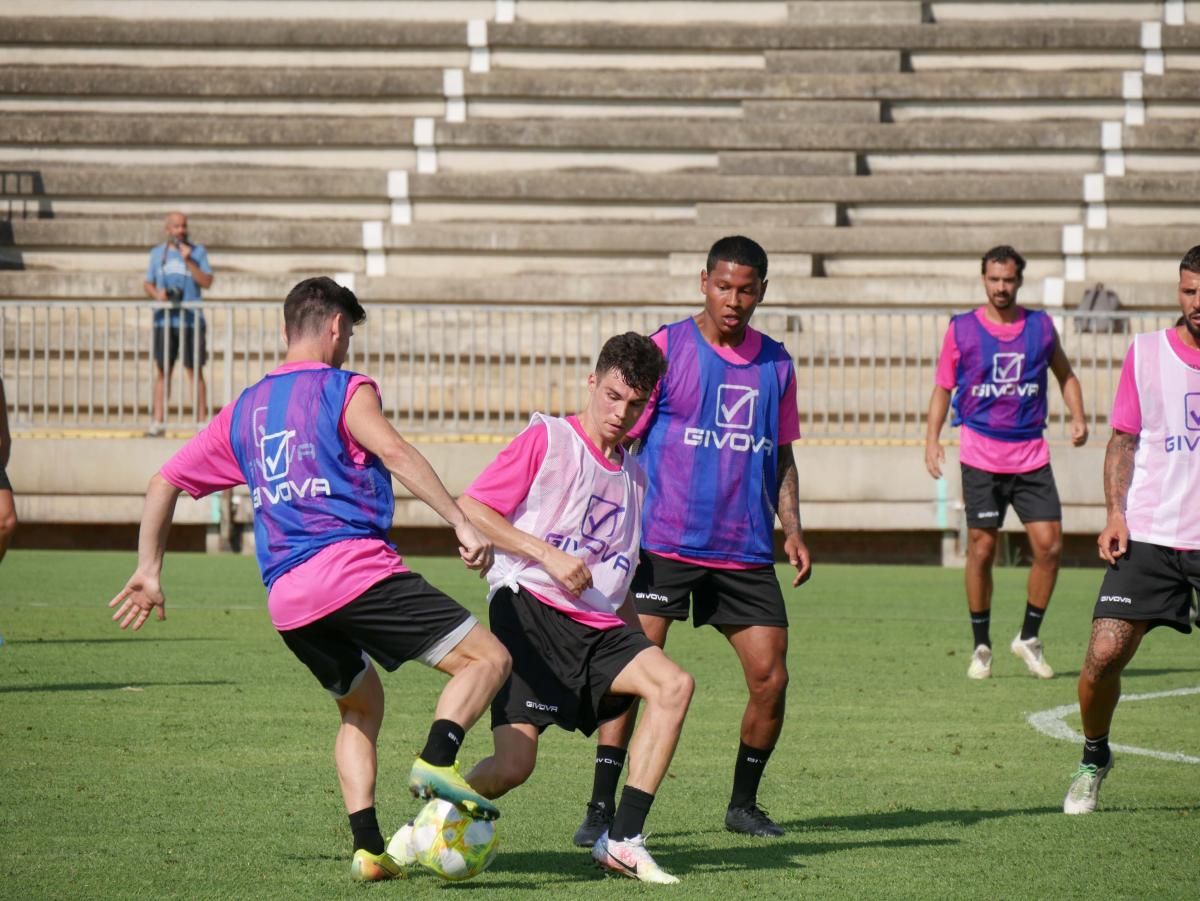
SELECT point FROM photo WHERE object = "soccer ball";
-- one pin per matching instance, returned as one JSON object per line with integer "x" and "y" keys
{"x": 447, "y": 841}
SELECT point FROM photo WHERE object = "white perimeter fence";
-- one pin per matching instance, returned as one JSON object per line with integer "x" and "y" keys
{"x": 456, "y": 370}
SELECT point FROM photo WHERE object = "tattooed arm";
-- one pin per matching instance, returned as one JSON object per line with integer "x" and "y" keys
{"x": 789, "y": 516}
{"x": 1118, "y": 474}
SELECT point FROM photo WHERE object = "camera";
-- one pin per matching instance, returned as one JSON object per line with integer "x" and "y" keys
{"x": 175, "y": 295}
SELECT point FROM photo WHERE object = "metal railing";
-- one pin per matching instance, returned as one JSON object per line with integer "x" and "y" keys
{"x": 481, "y": 370}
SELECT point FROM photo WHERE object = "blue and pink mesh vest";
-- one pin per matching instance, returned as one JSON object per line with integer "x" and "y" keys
{"x": 1001, "y": 391}
{"x": 307, "y": 492}
{"x": 711, "y": 452}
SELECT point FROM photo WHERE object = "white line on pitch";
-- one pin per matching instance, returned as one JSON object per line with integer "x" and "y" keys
{"x": 1050, "y": 722}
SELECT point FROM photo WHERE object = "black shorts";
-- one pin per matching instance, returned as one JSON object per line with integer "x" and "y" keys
{"x": 561, "y": 669}
{"x": 400, "y": 618}
{"x": 1153, "y": 584}
{"x": 5, "y": 484}
{"x": 987, "y": 495}
{"x": 168, "y": 338}
{"x": 718, "y": 597}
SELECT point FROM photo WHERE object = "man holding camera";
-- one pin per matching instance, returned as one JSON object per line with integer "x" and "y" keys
{"x": 177, "y": 272}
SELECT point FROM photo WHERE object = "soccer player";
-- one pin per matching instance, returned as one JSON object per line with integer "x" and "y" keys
{"x": 995, "y": 359}
{"x": 311, "y": 443}
{"x": 562, "y": 504}
{"x": 717, "y": 436}
{"x": 1151, "y": 541}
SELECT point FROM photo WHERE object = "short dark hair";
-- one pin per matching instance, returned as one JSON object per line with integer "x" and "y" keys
{"x": 741, "y": 250}
{"x": 635, "y": 357}
{"x": 1191, "y": 261}
{"x": 313, "y": 301}
{"x": 1003, "y": 253}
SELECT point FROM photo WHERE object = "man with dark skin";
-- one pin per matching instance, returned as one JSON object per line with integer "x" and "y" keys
{"x": 716, "y": 445}
{"x": 1151, "y": 541}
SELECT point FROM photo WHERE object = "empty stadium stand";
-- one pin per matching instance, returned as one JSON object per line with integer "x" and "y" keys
{"x": 565, "y": 165}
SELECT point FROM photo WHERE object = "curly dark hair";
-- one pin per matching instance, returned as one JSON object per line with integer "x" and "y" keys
{"x": 1003, "y": 254}
{"x": 313, "y": 301}
{"x": 1191, "y": 261}
{"x": 637, "y": 359}
{"x": 741, "y": 250}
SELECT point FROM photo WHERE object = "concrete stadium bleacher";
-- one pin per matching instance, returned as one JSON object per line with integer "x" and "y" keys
{"x": 521, "y": 153}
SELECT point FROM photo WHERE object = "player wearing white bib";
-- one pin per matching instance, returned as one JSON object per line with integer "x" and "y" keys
{"x": 562, "y": 505}
{"x": 1152, "y": 539}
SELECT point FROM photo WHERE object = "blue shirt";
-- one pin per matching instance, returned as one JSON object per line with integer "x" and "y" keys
{"x": 167, "y": 270}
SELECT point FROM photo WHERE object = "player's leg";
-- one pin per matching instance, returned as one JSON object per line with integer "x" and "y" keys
{"x": 1112, "y": 646}
{"x": 762, "y": 651}
{"x": 1045, "y": 543}
{"x": 346, "y": 673}
{"x": 511, "y": 763}
{"x": 1147, "y": 587}
{"x": 661, "y": 591}
{"x": 666, "y": 691}
{"x": 1035, "y": 498}
{"x": 8, "y": 514}
{"x": 986, "y": 501}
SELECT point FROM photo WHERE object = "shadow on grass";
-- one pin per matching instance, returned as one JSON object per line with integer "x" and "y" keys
{"x": 1142, "y": 671}
{"x": 104, "y": 686}
{"x": 115, "y": 640}
{"x": 554, "y": 868}
{"x": 908, "y": 819}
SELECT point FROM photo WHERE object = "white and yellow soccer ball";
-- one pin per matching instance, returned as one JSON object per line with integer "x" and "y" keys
{"x": 447, "y": 841}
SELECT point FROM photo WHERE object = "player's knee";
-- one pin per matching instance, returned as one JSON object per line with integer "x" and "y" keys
{"x": 769, "y": 685}
{"x": 8, "y": 525}
{"x": 1047, "y": 552}
{"x": 511, "y": 770}
{"x": 678, "y": 690}
{"x": 981, "y": 545}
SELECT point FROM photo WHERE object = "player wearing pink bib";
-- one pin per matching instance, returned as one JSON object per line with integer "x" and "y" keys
{"x": 995, "y": 360}
{"x": 1152, "y": 540}
{"x": 563, "y": 505}
{"x": 311, "y": 443}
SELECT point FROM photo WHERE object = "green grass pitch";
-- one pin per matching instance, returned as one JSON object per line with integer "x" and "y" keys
{"x": 194, "y": 759}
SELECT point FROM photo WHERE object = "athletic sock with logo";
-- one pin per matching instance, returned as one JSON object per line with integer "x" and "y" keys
{"x": 631, "y": 814}
{"x": 609, "y": 762}
{"x": 1033, "y": 621}
{"x": 981, "y": 627}
{"x": 747, "y": 774}
{"x": 445, "y": 740}
{"x": 365, "y": 827}
{"x": 1096, "y": 752}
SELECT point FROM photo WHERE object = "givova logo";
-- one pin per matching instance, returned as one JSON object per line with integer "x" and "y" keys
{"x": 1006, "y": 367}
{"x": 275, "y": 455}
{"x": 1191, "y": 410}
{"x": 735, "y": 419}
{"x": 599, "y": 525}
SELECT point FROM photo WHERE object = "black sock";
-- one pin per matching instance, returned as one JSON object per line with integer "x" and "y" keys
{"x": 631, "y": 814}
{"x": 1096, "y": 752}
{"x": 747, "y": 773}
{"x": 609, "y": 761}
{"x": 1033, "y": 621}
{"x": 445, "y": 740}
{"x": 365, "y": 827}
{"x": 981, "y": 625}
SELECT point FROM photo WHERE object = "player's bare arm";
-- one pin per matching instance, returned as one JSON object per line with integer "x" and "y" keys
{"x": 1072, "y": 393}
{"x": 566, "y": 569}
{"x": 789, "y": 516}
{"x": 1118, "y": 474}
{"x": 935, "y": 454}
{"x": 142, "y": 593}
{"x": 364, "y": 420}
